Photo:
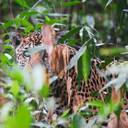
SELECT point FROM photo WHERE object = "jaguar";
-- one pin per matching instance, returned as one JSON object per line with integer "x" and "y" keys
{"x": 55, "y": 58}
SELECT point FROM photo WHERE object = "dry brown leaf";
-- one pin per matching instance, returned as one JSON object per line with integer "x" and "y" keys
{"x": 3, "y": 100}
{"x": 78, "y": 102}
{"x": 48, "y": 35}
{"x": 48, "y": 38}
{"x": 116, "y": 95}
{"x": 69, "y": 82}
{"x": 113, "y": 122}
{"x": 58, "y": 55}
{"x": 59, "y": 60}
{"x": 123, "y": 120}
{"x": 116, "y": 122}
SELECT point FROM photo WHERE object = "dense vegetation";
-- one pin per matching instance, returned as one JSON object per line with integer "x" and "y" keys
{"x": 99, "y": 25}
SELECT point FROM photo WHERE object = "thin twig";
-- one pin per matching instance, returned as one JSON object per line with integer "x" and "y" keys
{"x": 11, "y": 10}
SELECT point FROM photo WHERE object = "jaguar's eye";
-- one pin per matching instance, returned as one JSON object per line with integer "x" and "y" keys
{"x": 25, "y": 53}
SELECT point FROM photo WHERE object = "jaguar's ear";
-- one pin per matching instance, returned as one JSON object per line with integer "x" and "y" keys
{"x": 15, "y": 39}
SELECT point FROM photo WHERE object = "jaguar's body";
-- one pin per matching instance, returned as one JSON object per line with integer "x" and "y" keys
{"x": 66, "y": 86}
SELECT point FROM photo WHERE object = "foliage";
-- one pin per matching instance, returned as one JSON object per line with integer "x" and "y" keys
{"x": 95, "y": 26}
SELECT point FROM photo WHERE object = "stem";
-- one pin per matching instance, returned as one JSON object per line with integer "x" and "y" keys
{"x": 10, "y": 9}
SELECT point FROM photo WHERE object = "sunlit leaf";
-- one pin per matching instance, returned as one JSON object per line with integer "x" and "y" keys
{"x": 53, "y": 20}
{"x": 44, "y": 91}
{"x": 76, "y": 57}
{"x": 22, "y": 119}
{"x": 16, "y": 74}
{"x": 109, "y": 2}
{"x": 112, "y": 51}
{"x": 65, "y": 113}
{"x": 15, "y": 88}
{"x": 4, "y": 59}
{"x": 89, "y": 31}
{"x": 8, "y": 56}
{"x": 83, "y": 1}
{"x": 27, "y": 24}
{"x": 96, "y": 103}
{"x": 38, "y": 26}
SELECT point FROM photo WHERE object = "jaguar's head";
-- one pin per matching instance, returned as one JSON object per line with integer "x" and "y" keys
{"x": 22, "y": 44}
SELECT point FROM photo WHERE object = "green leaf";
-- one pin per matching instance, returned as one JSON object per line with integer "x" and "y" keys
{"x": 8, "y": 24}
{"x": 17, "y": 21}
{"x": 22, "y": 119}
{"x": 15, "y": 88}
{"x": 16, "y": 74}
{"x": 65, "y": 113}
{"x": 23, "y": 115}
{"x": 69, "y": 34}
{"x": 27, "y": 14}
{"x": 4, "y": 59}
{"x": 53, "y": 20}
{"x": 96, "y": 103}
{"x": 44, "y": 91}
{"x": 71, "y": 3}
{"x": 38, "y": 26}
{"x": 72, "y": 42}
{"x": 29, "y": 29}
{"x": 112, "y": 51}
{"x": 22, "y": 3}
{"x": 78, "y": 121}
{"x": 84, "y": 66}
{"x": 28, "y": 26}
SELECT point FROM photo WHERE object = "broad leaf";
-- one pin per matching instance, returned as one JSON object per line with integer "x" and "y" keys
{"x": 22, "y": 119}
{"x": 84, "y": 66}
{"x": 78, "y": 121}
{"x": 22, "y": 3}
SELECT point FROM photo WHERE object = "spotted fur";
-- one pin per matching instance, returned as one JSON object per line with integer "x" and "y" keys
{"x": 79, "y": 95}
{"x": 29, "y": 41}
